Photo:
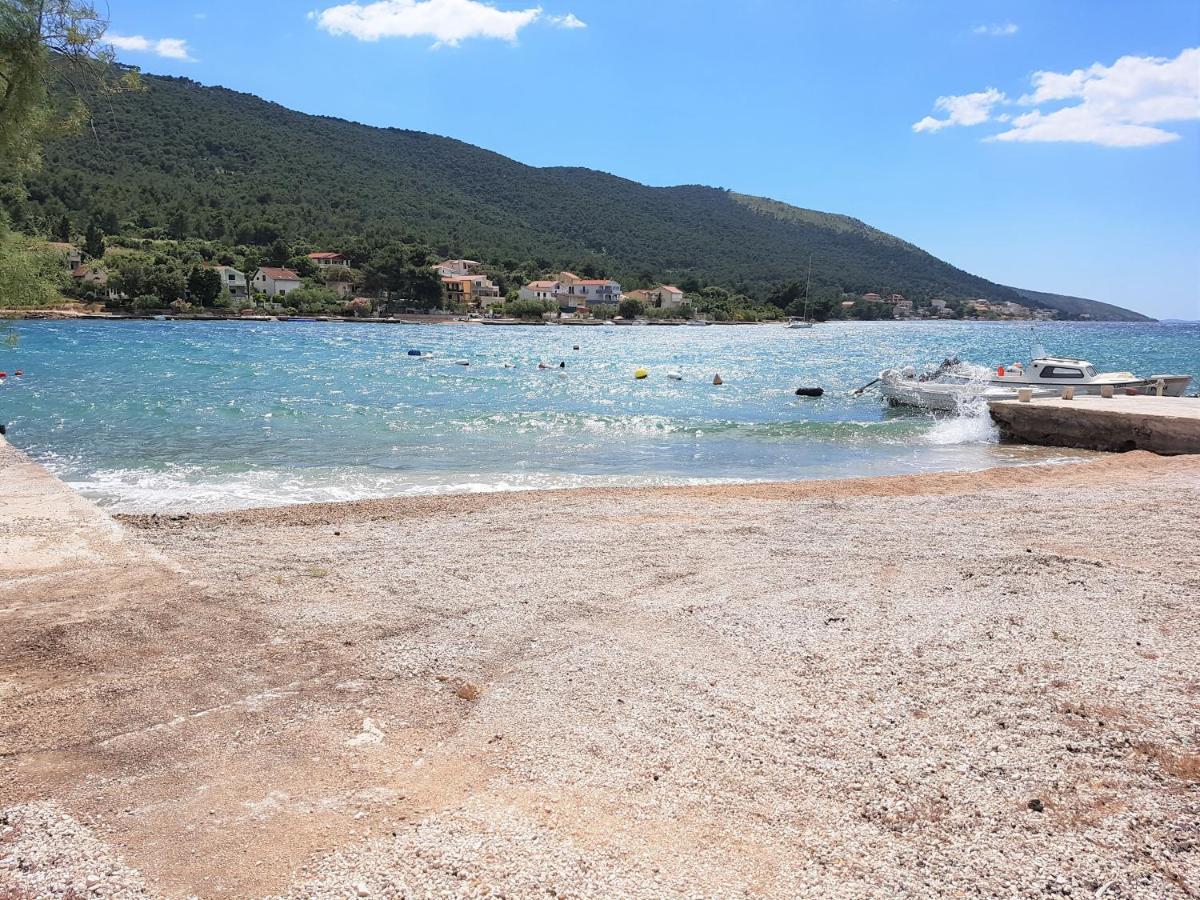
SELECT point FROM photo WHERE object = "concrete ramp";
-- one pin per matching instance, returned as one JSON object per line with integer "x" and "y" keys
{"x": 59, "y": 553}
{"x": 1165, "y": 425}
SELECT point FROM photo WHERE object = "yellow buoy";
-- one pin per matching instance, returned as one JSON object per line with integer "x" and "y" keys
{"x": 639, "y": 374}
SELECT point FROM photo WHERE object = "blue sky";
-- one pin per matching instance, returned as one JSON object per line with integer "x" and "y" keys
{"x": 1084, "y": 179}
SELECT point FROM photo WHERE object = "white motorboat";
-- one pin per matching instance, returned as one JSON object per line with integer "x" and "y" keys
{"x": 1060, "y": 372}
{"x": 904, "y": 387}
{"x": 800, "y": 323}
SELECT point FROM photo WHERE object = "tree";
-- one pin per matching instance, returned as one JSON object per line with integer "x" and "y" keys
{"x": 630, "y": 308}
{"x": 63, "y": 232}
{"x": 278, "y": 253}
{"x": 166, "y": 282}
{"x": 180, "y": 226}
{"x": 29, "y": 277}
{"x": 40, "y": 38}
{"x": 93, "y": 241}
{"x": 204, "y": 285}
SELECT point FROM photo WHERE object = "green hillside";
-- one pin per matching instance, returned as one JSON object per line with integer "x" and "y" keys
{"x": 183, "y": 160}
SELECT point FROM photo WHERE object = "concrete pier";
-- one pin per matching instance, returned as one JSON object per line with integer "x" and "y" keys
{"x": 1165, "y": 425}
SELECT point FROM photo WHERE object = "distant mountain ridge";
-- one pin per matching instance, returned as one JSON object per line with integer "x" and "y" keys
{"x": 208, "y": 162}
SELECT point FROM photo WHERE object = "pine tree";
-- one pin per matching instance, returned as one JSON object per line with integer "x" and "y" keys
{"x": 93, "y": 242}
{"x": 63, "y": 232}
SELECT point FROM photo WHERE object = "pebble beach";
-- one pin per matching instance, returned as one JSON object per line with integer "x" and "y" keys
{"x": 947, "y": 685}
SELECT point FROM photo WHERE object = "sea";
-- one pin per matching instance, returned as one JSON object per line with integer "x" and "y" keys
{"x": 190, "y": 416}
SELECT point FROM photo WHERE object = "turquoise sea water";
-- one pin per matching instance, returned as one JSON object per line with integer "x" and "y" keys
{"x": 192, "y": 415}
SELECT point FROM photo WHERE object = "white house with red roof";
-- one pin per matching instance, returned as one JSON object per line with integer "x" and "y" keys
{"x": 324, "y": 260}
{"x": 275, "y": 282}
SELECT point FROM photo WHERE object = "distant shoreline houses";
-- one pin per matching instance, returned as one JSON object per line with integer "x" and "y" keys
{"x": 464, "y": 286}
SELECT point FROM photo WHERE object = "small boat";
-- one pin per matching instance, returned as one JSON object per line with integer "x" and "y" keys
{"x": 1061, "y": 372}
{"x": 904, "y": 387}
{"x": 800, "y": 323}
{"x": 675, "y": 375}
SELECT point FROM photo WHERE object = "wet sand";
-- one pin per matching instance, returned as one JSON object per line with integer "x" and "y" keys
{"x": 980, "y": 684}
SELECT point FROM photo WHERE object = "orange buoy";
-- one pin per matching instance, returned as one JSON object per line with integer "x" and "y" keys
{"x": 1000, "y": 371}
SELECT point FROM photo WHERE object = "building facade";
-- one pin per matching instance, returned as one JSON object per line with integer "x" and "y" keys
{"x": 275, "y": 282}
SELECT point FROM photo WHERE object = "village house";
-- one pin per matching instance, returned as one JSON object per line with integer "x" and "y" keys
{"x": 588, "y": 292}
{"x": 71, "y": 255}
{"x": 665, "y": 296}
{"x": 94, "y": 280}
{"x": 872, "y": 298}
{"x": 455, "y": 267}
{"x": 571, "y": 292}
{"x": 233, "y": 281}
{"x": 544, "y": 291}
{"x": 275, "y": 282}
{"x": 470, "y": 290}
{"x": 324, "y": 260}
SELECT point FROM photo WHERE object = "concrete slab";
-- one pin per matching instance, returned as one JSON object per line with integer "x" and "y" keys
{"x": 1165, "y": 425}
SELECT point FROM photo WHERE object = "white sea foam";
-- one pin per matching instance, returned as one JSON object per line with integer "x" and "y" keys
{"x": 192, "y": 490}
{"x": 971, "y": 424}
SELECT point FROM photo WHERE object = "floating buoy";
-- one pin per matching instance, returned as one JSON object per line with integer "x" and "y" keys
{"x": 3, "y": 374}
{"x": 639, "y": 374}
{"x": 462, "y": 362}
{"x": 576, "y": 347}
{"x": 809, "y": 392}
{"x": 717, "y": 379}
{"x": 563, "y": 364}
{"x": 1000, "y": 371}
{"x": 675, "y": 376}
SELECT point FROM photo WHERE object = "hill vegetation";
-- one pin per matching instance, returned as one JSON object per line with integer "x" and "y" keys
{"x": 182, "y": 162}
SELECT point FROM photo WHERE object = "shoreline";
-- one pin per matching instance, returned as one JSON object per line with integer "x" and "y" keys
{"x": 948, "y": 483}
{"x": 931, "y": 685}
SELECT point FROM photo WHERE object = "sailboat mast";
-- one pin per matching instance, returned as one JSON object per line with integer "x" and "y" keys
{"x": 807, "y": 287}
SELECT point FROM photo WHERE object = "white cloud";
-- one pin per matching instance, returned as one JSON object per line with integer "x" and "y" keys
{"x": 1122, "y": 105}
{"x": 962, "y": 109}
{"x": 1006, "y": 29}
{"x": 446, "y": 21}
{"x": 570, "y": 20}
{"x": 169, "y": 48}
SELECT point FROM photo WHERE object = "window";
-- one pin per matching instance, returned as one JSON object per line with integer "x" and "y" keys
{"x": 1061, "y": 372}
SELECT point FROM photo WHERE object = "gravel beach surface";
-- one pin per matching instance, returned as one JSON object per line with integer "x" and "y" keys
{"x": 956, "y": 685}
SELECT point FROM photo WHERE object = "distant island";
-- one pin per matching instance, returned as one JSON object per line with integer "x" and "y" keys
{"x": 190, "y": 197}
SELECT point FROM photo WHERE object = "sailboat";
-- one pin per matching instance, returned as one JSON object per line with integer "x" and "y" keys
{"x": 806, "y": 322}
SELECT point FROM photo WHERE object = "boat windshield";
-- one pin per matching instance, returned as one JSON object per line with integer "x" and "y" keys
{"x": 1091, "y": 373}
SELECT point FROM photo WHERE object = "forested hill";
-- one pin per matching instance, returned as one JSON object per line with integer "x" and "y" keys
{"x": 185, "y": 160}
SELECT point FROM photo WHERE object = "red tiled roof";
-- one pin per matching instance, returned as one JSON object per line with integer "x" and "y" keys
{"x": 671, "y": 288}
{"x": 279, "y": 274}
{"x": 596, "y": 281}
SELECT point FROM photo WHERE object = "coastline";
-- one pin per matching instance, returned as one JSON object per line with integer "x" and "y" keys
{"x": 930, "y": 684}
